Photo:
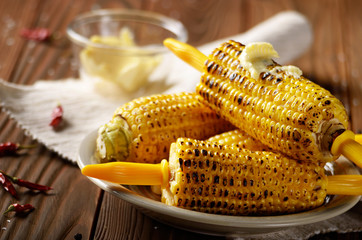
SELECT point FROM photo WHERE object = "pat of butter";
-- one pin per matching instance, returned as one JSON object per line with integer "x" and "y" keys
{"x": 256, "y": 57}
{"x": 129, "y": 68}
{"x": 288, "y": 70}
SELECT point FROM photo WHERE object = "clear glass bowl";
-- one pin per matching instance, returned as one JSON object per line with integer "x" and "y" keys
{"x": 128, "y": 50}
{"x": 231, "y": 226}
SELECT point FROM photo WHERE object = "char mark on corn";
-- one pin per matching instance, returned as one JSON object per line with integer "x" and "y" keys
{"x": 287, "y": 113}
{"x": 240, "y": 139}
{"x": 224, "y": 179}
{"x": 143, "y": 129}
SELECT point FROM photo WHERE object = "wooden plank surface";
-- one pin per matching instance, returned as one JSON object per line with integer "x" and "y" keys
{"x": 76, "y": 206}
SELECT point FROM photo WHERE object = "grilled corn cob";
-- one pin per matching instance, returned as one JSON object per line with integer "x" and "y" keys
{"x": 239, "y": 139}
{"x": 143, "y": 129}
{"x": 234, "y": 137}
{"x": 224, "y": 179}
{"x": 272, "y": 103}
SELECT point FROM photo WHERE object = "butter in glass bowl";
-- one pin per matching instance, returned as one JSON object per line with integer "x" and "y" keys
{"x": 128, "y": 68}
{"x": 122, "y": 49}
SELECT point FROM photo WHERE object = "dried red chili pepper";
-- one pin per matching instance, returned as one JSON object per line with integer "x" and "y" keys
{"x": 9, "y": 148}
{"x": 18, "y": 208}
{"x": 57, "y": 116}
{"x": 7, "y": 185}
{"x": 37, "y": 34}
{"x": 27, "y": 184}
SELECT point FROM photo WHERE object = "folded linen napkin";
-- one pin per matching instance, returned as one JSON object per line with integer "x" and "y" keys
{"x": 85, "y": 109}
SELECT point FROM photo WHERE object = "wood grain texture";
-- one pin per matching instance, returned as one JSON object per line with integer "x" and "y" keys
{"x": 351, "y": 59}
{"x": 77, "y": 206}
{"x": 70, "y": 207}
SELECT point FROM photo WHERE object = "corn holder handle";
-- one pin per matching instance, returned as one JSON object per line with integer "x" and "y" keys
{"x": 344, "y": 144}
{"x": 129, "y": 173}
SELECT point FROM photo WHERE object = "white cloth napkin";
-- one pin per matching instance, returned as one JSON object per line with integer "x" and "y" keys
{"x": 85, "y": 109}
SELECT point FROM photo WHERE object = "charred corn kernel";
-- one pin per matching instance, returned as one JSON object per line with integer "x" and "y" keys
{"x": 234, "y": 137}
{"x": 143, "y": 129}
{"x": 239, "y": 139}
{"x": 272, "y": 103}
{"x": 223, "y": 179}
{"x": 285, "y": 112}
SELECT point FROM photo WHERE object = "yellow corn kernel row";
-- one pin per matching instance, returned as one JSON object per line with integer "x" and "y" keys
{"x": 239, "y": 139}
{"x": 225, "y": 179}
{"x": 287, "y": 113}
{"x": 142, "y": 130}
{"x": 272, "y": 103}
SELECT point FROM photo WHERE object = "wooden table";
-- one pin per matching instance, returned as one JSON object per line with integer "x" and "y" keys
{"x": 76, "y": 207}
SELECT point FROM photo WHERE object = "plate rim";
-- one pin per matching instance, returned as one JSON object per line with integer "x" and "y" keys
{"x": 242, "y": 222}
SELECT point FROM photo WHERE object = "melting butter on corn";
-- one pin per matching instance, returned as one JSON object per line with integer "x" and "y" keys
{"x": 289, "y": 114}
{"x": 128, "y": 68}
{"x": 256, "y": 57}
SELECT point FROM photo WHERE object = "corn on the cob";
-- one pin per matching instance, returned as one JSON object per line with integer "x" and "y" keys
{"x": 239, "y": 139}
{"x": 143, "y": 129}
{"x": 224, "y": 179}
{"x": 273, "y": 104}
{"x": 235, "y": 137}
{"x": 221, "y": 179}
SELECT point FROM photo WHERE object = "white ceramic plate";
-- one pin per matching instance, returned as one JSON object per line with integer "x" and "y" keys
{"x": 148, "y": 202}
